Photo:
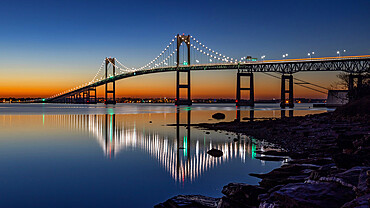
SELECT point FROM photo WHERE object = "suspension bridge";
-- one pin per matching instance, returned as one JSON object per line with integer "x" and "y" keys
{"x": 185, "y": 53}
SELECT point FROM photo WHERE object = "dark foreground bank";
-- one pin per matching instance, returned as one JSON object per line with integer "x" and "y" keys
{"x": 330, "y": 164}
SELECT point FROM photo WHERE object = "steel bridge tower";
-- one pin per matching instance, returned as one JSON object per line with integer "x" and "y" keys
{"x": 284, "y": 91}
{"x": 239, "y": 101}
{"x": 110, "y": 80}
{"x": 180, "y": 40}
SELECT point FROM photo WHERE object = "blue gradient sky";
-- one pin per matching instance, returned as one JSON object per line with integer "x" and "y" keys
{"x": 51, "y": 46}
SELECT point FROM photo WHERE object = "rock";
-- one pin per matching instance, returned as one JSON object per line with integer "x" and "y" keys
{"x": 266, "y": 158}
{"x": 305, "y": 195}
{"x": 324, "y": 170}
{"x": 218, "y": 116}
{"x": 215, "y": 152}
{"x": 314, "y": 161}
{"x": 346, "y": 160}
{"x": 273, "y": 153}
{"x": 359, "y": 202}
{"x": 353, "y": 176}
{"x": 240, "y": 195}
{"x": 284, "y": 175}
{"x": 189, "y": 201}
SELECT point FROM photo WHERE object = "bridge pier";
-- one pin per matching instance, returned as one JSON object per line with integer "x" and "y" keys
{"x": 290, "y": 101}
{"x": 179, "y": 101}
{"x": 238, "y": 115}
{"x": 113, "y": 81}
{"x": 239, "y": 89}
{"x": 92, "y": 97}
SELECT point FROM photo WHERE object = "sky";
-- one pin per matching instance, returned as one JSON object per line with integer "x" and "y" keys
{"x": 47, "y": 47}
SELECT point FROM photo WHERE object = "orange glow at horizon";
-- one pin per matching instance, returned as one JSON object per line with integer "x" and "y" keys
{"x": 204, "y": 84}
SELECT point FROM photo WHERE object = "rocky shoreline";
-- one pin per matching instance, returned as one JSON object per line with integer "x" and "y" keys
{"x": 330, "y": 164}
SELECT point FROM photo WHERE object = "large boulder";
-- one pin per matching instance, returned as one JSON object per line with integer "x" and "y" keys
{"x": 240, "y": 195}
{"x": 356, "y": 178}
{"x": 218, "y": 116}
{"x": 215, "y": 153}
{"x": 308, "y": 195}
{"x": 360, "y": 202}
{"x": 189, "y": 201}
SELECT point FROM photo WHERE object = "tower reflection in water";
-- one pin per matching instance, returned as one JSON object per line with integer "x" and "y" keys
{"x": 182, "y": 155}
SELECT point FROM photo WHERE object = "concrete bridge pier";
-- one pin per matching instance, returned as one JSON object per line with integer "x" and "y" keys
{"x": 239, "y": 89}
{"x": 290, "y": 102}
{"x": 238, "y": 115}
{"x": 179, "y": 86}
{"x": 91, "y": 92}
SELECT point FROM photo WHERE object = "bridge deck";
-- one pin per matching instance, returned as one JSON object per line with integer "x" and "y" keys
{"x": 351, "y": 64}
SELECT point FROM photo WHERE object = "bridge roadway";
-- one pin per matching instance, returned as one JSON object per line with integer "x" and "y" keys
{"x": 350, "y": 64}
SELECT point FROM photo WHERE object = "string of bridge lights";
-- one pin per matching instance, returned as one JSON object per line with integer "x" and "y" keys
{"x": 101, "y": 67}
{"x": 207, "y": 51}
{"x": 197, "y": 45}
{"x": 156, "y": 58}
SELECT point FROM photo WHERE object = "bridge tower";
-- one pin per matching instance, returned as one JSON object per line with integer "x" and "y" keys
{"x": 180, "y": 40}
{"x": 110, "y": 80}
{"x": 239, "y": 89}
{"x": 284, "y": 91}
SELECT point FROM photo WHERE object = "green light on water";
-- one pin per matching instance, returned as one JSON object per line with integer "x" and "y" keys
{"x": 253, "y": 151}
{"x": 111, "y": 128}
{"x": 185, "y": 146}
{"x": 43, "y": 100}
{"x": 110, "y": 111}
{"x": 187, "y": 108}
{"x": 43, "y": 119}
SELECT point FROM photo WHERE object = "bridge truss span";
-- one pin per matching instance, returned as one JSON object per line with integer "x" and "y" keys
{"x": 198, "y": 57}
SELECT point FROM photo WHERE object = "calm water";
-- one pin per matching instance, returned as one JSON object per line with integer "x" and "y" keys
{"x": 56, "y": 155}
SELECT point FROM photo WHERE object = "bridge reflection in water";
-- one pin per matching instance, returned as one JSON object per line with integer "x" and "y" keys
{"x": 184, "y": 157}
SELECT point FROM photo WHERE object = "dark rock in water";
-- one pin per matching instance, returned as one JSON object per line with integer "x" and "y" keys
{"x": 284, "y": 175}
{"x": 360, "y": 202}
{"x": 240, "y": 195}
{"x": 218, "y": 116}
{"x": 150, "y": 122}
{"x": 305, "y": 195}
{"x": 270, "y": 158}
{"x": 189, "y": 201}
{"x": 215, "y": 152}
{"x": 207, "y": 132}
